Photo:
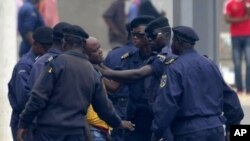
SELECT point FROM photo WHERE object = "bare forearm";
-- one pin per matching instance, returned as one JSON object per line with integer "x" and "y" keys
{"x": 235, "y": 20}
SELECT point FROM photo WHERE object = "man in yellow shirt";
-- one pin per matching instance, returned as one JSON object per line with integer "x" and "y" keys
{"x": 99, "y": 129}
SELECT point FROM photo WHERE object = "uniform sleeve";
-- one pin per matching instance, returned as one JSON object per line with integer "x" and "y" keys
{"x": 166, "y": 104}
{"x": 103, "y": 106}
{"x": 39, "y": 96}
{"x": 20, "y": 84}
{"x": 157, "y": 66}
{"x": 232, "y": 108}
{"x": 16, "y": 86}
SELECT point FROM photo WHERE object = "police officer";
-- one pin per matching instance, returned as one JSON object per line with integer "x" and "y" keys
{"x": 137, "y": 108}
{"x": 52, "y": 52}
{"x": 119, "y": 93}
{"x": 158, "y": 33}
{"x": 70, "y": 76}
{"x": 29, "y": 19}
{"x": 192, "y": 95}
{"x": 17, "y": 93}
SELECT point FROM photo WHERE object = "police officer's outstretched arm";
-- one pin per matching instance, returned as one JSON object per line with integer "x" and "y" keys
{"x": 39, "y": 96}
{"x": 104, "y": 108}
{"x": 166, "y": 105}
{"x": 126, "y": 76}
{"x": 232, "y": 108}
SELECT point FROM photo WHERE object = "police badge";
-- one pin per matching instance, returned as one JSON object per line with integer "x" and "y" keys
{"x": 163, "y": 80}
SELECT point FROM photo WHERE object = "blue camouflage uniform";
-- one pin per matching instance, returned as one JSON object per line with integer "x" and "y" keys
{"x": 17, "y": 94}
{"x": 29, "y": 19}
{"x": 120, "y": 97}
{"x": 192, "y": 96}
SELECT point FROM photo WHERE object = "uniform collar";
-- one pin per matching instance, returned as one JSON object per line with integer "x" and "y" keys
{"x": 32, "y": 55}
{"x": 166, "y": 49}
{"x": 77, "y": 53}
{"x": 55, "y": 50}
{"x": 186, "y": 51}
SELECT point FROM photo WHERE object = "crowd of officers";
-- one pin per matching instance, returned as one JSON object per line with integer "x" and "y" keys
{"x": 146, "y": 90}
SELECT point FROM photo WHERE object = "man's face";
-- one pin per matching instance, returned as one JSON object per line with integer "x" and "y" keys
{"x": 138, "y": 36}
{"x": 38, "y": 49}
{"x": 95, "y": 53}
{"x": 158, "y": 39}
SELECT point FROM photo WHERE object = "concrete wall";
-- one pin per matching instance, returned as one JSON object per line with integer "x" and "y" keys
{"x": 8, "y": 59}
{"x": 88, "y": 14}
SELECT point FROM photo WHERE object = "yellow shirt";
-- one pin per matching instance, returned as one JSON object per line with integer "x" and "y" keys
{"x": 94, "y": 120}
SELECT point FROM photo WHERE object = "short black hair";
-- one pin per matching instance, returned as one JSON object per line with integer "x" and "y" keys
{"x": 142, "y": 20}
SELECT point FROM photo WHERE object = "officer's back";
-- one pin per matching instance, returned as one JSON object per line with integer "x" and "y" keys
{"x": 63, "y": 92}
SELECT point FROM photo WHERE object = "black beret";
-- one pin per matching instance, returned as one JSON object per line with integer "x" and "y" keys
{"x": 157, "y": 23}
{"x": 43, "y": 35}
{"x": 142, "y": 20}
{"x": 187, "y": 34}
{"x": 58, "y": 29}
{"x": 76, "y": 31}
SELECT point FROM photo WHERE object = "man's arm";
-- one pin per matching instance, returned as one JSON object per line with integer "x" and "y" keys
{"x": 104, "y": 108}
{"x": 126, "y": 75}
{"x": 231, "y": 19}
{"x": 166, "y": 105}
{"x": 39, "y": 96}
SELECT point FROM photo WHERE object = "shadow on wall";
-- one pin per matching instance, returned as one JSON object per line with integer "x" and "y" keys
{"x": 88, "y": 14}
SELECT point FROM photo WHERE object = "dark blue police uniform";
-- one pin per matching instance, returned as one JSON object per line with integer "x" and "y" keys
{"x": 39, "y": 64}
{"x": 61, "y": 96}
{"x": 120, "y": 97}
{"x": 28, "y": 20}
{"x": 16, "y": 85}
{"x": 192, "y": 96}
{"x": 138, "y": 110}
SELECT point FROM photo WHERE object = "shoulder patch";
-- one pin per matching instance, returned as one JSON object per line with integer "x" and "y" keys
{"x": 124, "y": 56}
{"x": 50, "y": 59}
{"x": 163, "y": 81}
{"x": 170, "y": 60}
{"x": 167, "y": 62}
{"x": 161, "y": 57}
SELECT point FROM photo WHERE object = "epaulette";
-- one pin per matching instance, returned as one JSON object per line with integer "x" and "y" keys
{"x": 51, "y": 58}
{"x": 115, "y": 48}
{"x": 161, "y": 57}
{"x": 126, "y": 55}
{"x": 170, "y": 60}
{"x": 49, "y": 61}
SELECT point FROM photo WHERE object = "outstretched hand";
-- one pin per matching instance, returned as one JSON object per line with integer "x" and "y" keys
{"x": 103, "y": 69}
{"x": 128, "y": 125}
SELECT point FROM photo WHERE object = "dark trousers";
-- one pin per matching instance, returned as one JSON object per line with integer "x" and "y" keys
{"x": 41, "y": 136}
{"x": 138, "y": 136}
{"x": 214, "y": 134}
{"x": 120, "y": 105}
